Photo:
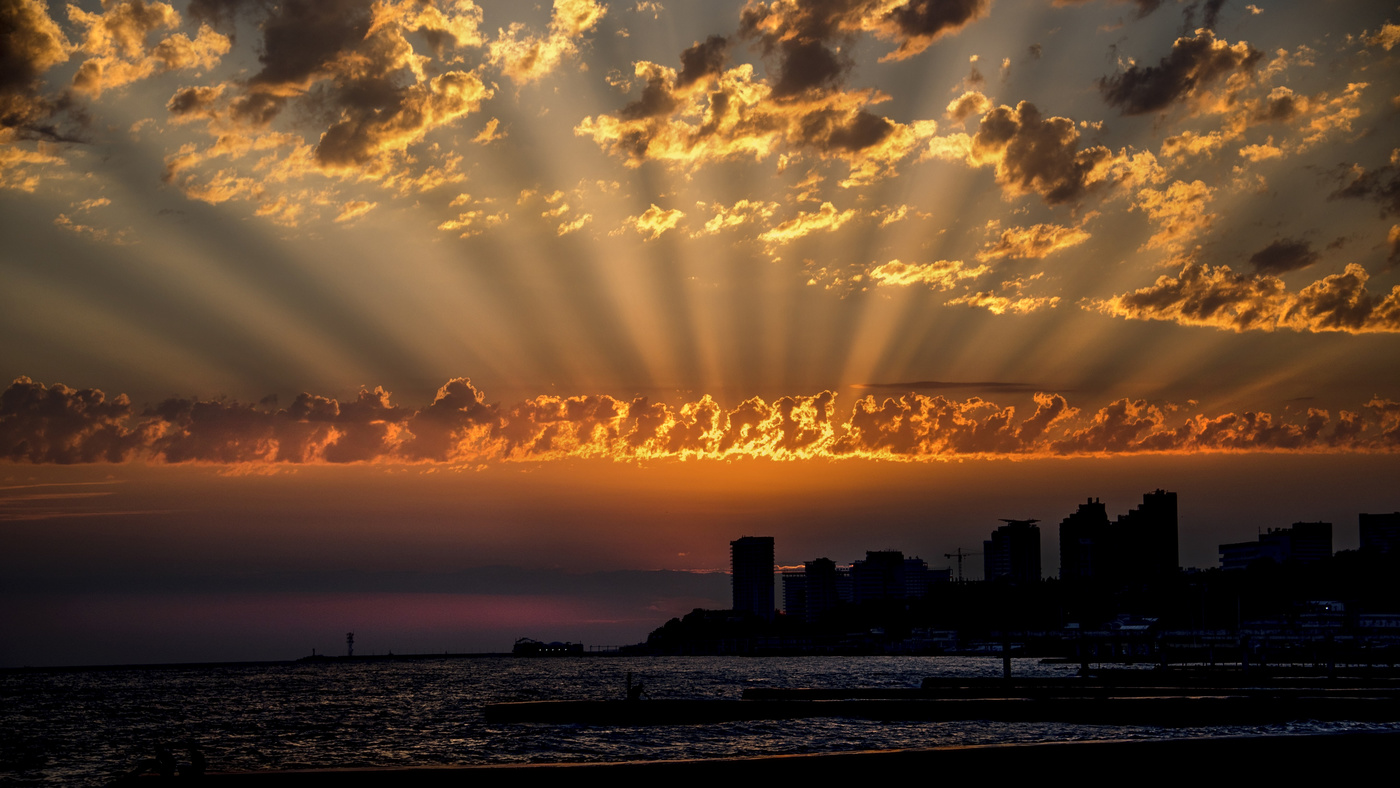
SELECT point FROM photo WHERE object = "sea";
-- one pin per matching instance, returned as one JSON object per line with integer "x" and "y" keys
{"x": 87, "y": 727}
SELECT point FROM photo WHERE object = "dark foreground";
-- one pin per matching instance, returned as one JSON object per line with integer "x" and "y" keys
{"x": 1159, "y": 761}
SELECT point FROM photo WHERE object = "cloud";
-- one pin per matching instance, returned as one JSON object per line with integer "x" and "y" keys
{"x": 654, "y": 221}
{"x": 733, "y": 115}
{"x": 24, "y": 163}
{"x": 706, "y": 113}
{"x": 740, "y": 213}
{"x": 354, "y": 209}
{"x": 99, "y": 234}
{"x": 940, "y": 275}
{"x": 1194, "y": 65}
{"x": 808, "y": 36}
{"x": 969, "y": 103}
{"x": 1144, "y": 7}
{"x": 1000, "y": 304}
{"x": 1033, "y": 243}
{"x": 1220, "y": 298}
{"x": 1283, "y": 256}
{"x": 372, "y": 132}
{"x": 362, "y": 94}
{"x": 1032, "y": 154}
{"x": 527, "y": 57}
{"x": 31, "y": 43}
{"x": 826, "y": 218}
{"x": 55, "y": 424}
{"x": 473, "y": 222}
{"x": 1179, "y": 211}
{"x": 118, "y": 53}
{"x": 1386, "y": 38}
{"x": 1380, "y": 185}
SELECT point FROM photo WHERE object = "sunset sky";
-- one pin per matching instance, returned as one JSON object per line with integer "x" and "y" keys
{"x": 450, "y": 322}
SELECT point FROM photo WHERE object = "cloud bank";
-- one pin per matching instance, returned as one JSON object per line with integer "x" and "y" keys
{"x": 60, "y": 425}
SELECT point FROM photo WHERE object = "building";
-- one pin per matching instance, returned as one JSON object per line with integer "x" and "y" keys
{"x": 880, "y": 576}
{"x": 812, "y": 592}
{"x": 1084, "y": 542}
{"x": 1139, "y": 547}
{"x": 751, "y": 565}
{"x": 1303, "y": 542}
{"x": 1147, "y": 538}
{"x": 1013, "y": 552}
{"x": 1380, "y": 532}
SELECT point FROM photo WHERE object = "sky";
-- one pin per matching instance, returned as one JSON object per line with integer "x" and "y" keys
{"x": 451, "y": 322}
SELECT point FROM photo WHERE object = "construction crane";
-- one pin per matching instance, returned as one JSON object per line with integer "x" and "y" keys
{"x": 960, "y": 555}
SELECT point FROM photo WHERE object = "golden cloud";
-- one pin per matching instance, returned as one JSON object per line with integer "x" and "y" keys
{"x": 940, "y": 275}
{"x": 526, "y": 57}
{"x": 654, "y": 221}
{"x": 116, "y": 42}
{"x": 825, "y": 219}
{"x": 57, "y": 424}
{"x": 1220, "y": 298}
{"x": 1179, "y": 211}
{"x": 1033, "y": 243}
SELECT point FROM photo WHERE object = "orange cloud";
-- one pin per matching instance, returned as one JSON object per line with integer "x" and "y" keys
{"x": 1033, "y": 243}
{"x": 940, "y": 275}
{"x": 116, "y": 42}
{"x": 654, "y": 221}
{"x": 525, "y": 57}
{"x": 56, "y": 424}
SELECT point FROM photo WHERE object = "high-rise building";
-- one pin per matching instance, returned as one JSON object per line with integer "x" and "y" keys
{"x": 1084, "y": 551}
{"x": 751, "y": 564}
{"x": 1013, "y": 552}
{"x": 1380, "y": 532}
{"x": 1147, "y": 538}
{"x": 879, "y": 576}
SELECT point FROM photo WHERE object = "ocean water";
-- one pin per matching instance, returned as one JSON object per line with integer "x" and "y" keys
{"x": 88, "y": 727}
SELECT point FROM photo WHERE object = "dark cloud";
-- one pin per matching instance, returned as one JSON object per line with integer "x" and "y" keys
{"x": 809, "y": 64}
{"x": 194, "y": 102}
{"x": 1381, "y": 185}
{"x": 1210, "y": 14}
{"x": 703, "y": 60}
{"x": 302, "y": 37}
{"x": 1144, "y": 7}
{"x": 1035, "y": 51}
{"x": 810, "y": 38}
{"x": 918, "y": 23}
{"x": 30, "y": 44}
{"x": 1283, "y": 256}
{"x": 1037, "y": 155}
{"x": 57, "y": 424}
{"x": 221, "y": 14}
{"x": 1195, "y": 63}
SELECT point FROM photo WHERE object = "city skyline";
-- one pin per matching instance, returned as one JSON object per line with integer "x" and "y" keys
{"x": 301, "y": 299}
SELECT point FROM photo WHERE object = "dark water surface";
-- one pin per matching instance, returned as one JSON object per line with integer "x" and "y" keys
{"x": 85, "y": 728}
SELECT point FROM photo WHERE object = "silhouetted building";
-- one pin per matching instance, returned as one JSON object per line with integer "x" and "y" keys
{"x": 879, "y": 576}
{"x": 1013, "y": 552}
{"x": 1139, "y": 547}
{"x": 1147, "y": 538}
{"x": 813, "y": 591}
{"x": 751, "y": 563}
{"x": 795, "y": 594}
{"x": 1084, "y": 549}
{"x": 1381, "y": 532}
{"x": 1304, "y": 542}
